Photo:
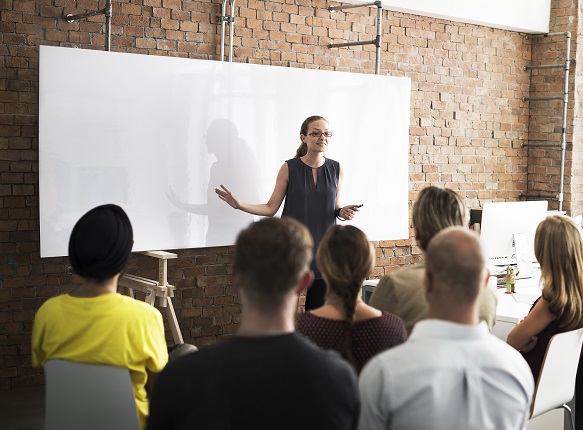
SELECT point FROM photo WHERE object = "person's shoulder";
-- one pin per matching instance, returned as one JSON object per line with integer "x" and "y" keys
{"x": 303, "y": 319}
{"x": 137, "y": 306}
{"x": 414, "y": 272}
{"x": 329, "y": 360}
{"x": 391, "y": 320}
{"x": 204, "y": 360}
{"x": 48, "y": 306}
{"x": 332, "y": 162}
{"x": 504, "y": 356}
{"x": 406, "y": 279}
{"x": 488, "y": 297}
{"x": 53, "y": 301}
{"x": 514, "y": 363}
{"x": 386, "y": 361}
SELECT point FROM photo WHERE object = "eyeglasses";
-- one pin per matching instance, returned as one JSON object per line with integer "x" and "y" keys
{"x": 318, "y": 134}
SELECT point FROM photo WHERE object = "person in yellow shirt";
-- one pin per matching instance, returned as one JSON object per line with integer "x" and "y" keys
{"x": 94, "y": 324}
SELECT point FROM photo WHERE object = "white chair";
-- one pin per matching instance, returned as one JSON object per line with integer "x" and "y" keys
{"x": 556, "y": 383}
{"x": 89, "y": 397}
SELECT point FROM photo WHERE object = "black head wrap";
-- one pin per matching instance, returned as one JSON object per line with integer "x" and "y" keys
{"x": 101, "y": 242}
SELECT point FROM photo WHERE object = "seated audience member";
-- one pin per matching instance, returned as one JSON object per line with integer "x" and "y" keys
{"x": 558, "y": 247}
{"x": 345, "y": 258}
{"x": 401, "y": 293}
{"x": 267, "y": 377}
{"x": 451, "y": 373}
{"x": 94, "y": 324}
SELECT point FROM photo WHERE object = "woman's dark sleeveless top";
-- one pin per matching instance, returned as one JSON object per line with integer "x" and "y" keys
{"x": 313, "y": 204}
{"x": 535, "y": 357}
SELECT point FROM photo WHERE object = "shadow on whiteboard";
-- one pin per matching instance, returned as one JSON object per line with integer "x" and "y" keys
{"x": 236, "y": 164}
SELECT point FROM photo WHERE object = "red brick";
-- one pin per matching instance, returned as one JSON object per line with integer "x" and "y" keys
{"x": 467, "y": 123}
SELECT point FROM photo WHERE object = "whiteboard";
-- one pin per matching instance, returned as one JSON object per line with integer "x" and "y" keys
{"x": 156, "y": 135}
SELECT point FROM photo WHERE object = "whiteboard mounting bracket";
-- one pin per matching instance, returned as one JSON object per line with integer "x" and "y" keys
{"x": 107, "y": 11}
{"x": 376, "y": 41}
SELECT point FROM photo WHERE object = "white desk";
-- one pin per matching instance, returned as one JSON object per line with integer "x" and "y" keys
{"x": 511, "y": 307}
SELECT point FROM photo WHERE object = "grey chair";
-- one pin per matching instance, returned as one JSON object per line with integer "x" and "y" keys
{"x": 89, "y": 397}
{"x": 556, "y": 383}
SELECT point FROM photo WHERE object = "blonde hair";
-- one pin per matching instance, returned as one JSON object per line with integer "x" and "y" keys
{"x": 346, "y": 258}
{"x": 558, "y": 247}
{"x": 303, "y": 148}
{"x": 436, "y": 208}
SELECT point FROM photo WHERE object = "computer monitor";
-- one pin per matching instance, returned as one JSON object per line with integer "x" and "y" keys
{"x": 501, "y": 222}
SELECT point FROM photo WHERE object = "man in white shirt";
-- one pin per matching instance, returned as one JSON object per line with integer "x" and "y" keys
{"x": 451, "y": 373}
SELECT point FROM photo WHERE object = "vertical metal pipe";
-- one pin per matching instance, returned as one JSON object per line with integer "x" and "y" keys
{"x": 379, "y": 35}
{"x": 231, "y": 29}
{"x": 108, "y": 14}
{"x": 565, "y": 105}
{"x": 222, "y": 18}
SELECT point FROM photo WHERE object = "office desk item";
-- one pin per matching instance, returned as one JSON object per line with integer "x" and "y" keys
{"x": 526, "y": 298}
{"x": 507, "y": 231}
{"x": 156, "y": 289}
{"x": 367, "y": 289}
{"x": 512, "y": 308}
{"x": 88, "y": 397}
{"x": 556, "y": 384}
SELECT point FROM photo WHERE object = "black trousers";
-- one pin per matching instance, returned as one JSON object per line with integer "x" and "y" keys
{"x": 579, "y": 397}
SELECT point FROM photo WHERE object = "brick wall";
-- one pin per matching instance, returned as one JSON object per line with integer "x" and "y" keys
{"x": 546, "y": 116}
{"x": 576, "y": 173}
{"x": 468, "y": 122}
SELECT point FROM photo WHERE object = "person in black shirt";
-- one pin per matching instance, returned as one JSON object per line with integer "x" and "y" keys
{"x": 267, "y": 377}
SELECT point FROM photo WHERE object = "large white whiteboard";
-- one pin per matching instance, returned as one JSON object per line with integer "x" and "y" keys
{"x": 156, "y": 135}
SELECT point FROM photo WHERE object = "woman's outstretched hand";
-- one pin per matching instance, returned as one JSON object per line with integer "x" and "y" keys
{"x": 227, "y": 196}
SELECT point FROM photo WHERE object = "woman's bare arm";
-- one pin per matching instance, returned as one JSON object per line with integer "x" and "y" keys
{"x": 266, "y": 209}
{"x": 523, "y": 336}
{"x": 349, "y": 211}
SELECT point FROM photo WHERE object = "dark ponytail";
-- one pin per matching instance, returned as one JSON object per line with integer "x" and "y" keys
{"x": 345, "y": 257}
{"x": 344, "y": 344}
{"x": 302, "y": 150}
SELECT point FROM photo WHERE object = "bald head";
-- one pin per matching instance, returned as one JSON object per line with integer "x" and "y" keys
{"x": 455, "y": 269}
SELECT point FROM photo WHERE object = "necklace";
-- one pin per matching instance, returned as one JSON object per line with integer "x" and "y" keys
{"x": 313, "y": 167}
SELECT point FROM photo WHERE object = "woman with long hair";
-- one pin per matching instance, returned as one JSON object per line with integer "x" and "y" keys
{"x": 310, "y": 183}
{"x": 345, "y": 323}
{"x": 558, "y": 247}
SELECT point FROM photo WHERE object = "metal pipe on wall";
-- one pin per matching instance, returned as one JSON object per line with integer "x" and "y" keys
{"x": 565, "y": 99}
{"x": 564, "y": 131}
{"x": 231, "y": 30}
{"x": 377, "y": 69}
{"x": 231, "y": 20}
{"x": 376, "y": 41}
{"x": 221, "y": 17}
{"x": 107, "y": 11}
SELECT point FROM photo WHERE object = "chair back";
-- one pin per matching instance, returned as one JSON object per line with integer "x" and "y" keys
{"x": 89, "y": 396}
{"x": 556, "y": 382}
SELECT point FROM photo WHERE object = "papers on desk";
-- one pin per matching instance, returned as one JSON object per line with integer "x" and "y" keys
{"x": 497, "y": 270}
{"x": 527, "y": 299}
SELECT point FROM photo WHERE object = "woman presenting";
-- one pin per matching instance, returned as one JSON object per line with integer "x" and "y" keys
{"x": 310, "y": 183}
